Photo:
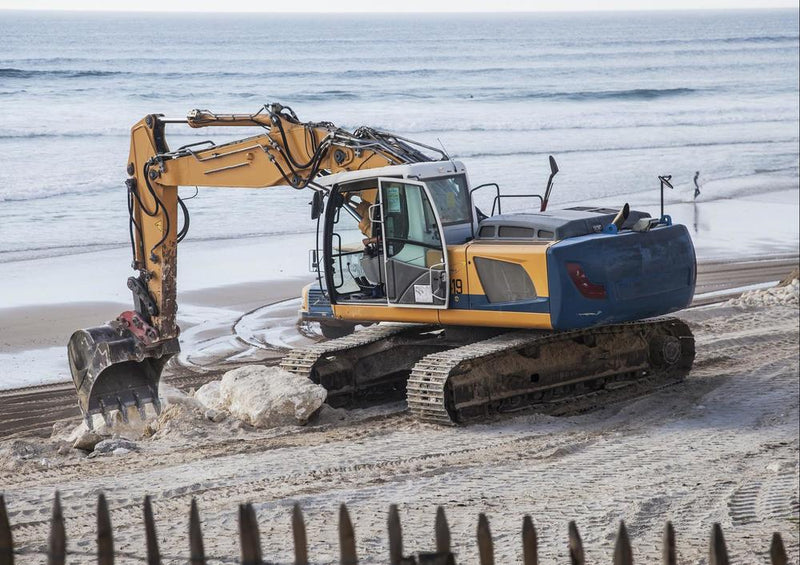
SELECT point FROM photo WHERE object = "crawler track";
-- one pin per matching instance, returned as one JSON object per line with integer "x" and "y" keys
{"x": 519, "y": 370}
{"x": 371, "y": 363}
{"x": 458, "y": 379}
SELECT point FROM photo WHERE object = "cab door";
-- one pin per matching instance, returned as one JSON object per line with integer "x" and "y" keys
{"x": 414, "y": 250}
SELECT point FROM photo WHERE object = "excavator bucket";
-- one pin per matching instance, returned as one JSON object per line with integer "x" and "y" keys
{"x": 114, "y": 368}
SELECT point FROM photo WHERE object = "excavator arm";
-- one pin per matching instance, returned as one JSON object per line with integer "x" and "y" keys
{"x": 117, "y": 366}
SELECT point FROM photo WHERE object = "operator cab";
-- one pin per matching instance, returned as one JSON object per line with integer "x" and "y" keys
{"x": 386, "y": 232}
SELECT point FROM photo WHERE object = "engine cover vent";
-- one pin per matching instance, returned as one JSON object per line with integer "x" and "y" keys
{"x": 503, "y": 281}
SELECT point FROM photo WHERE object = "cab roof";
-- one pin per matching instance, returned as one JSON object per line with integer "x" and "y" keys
{"x": 409, "y": 171}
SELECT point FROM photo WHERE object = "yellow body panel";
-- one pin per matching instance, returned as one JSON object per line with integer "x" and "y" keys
{"x": 463, "y": 275}
{"x": 531, "y": 255}
{"x": 384, "y": 313}
{"x": 495, "y": 319}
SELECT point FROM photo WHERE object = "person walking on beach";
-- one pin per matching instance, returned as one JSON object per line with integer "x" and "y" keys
{"x": 696, "y": 185}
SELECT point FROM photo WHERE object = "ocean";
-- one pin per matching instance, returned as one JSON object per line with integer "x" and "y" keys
{"x": 617, "y": 98}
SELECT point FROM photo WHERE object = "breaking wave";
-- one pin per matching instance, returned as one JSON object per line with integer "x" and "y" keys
{"x": 33, "y": 73}
{"x": 628, "y": 94}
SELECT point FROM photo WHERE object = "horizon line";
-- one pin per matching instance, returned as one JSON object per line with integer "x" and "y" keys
{"x": 795, "y": 8}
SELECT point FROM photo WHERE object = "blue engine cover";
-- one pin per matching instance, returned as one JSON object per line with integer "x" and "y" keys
{"x": 645, "y": 274}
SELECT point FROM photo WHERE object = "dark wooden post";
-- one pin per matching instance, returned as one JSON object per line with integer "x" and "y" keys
{"x": 153, "y": 556}
{"x": 668, "y": 554}
{"x": 442, "y": 532}
{"x": 530, "y": 549}
{"x": 718, "y": 553}
{"x": 485, "y": 544}
{"x": 395, "y": 536}
{"x": 105, "y": 540}
{"x": 6, "y": 541}
{"x": 249, "y": 538}
{"x": 197, "y": 555}
{"x": 623, "y": 554}
{"x": 299, "y": 534}
{"x": 777, "y": 552}
{"x": 442, "y": 555}
{"x": 576, "y": 555}
{"x": 57, "y": 545}
{"x": 347, "y": 538}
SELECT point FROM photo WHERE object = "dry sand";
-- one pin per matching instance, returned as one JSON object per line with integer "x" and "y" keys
{"x": 720, "y": 447}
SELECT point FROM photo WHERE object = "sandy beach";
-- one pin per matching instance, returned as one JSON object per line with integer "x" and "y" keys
{"x": 720, "y": 447}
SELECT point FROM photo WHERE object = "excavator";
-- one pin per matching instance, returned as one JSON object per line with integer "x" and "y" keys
{"x": 472, "y": 314}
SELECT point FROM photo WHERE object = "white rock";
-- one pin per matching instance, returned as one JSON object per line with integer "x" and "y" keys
{"x": 781, "y": 467}
{"x": 215, "y": 416}
{"x": 87, "y": 441}
{"x": 269, "y": 396}
{"x": 120, "y": 451}
{"x": 787, "y": 295}
{"x": 111, "y": 445}
{"x": 209, "y": 396}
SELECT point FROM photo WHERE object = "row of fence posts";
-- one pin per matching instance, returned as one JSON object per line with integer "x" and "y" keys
{"x": 250, "y": 541}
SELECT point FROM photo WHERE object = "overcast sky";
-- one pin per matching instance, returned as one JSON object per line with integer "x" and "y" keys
{"x": 382, "y": 6}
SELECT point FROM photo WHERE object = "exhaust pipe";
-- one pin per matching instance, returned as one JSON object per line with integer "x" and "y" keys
{"x": 621, "y": 216}
{"x": 117, "y": 366}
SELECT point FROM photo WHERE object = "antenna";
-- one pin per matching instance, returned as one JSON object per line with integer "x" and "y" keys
{"x": 446, "y": 154}
{"x": 665, "y": 180}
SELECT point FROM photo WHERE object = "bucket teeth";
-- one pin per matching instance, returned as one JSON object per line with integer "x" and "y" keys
{"x": 107, "y": 411}
{"x": 123, "y": 410}
{"x": 140, "y": 407}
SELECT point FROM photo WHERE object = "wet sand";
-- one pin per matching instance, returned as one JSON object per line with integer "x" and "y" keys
{"x": 33, "y": 338}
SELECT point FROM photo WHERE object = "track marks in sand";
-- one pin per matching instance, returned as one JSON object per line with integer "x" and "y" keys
{"x": 158, "y": 456}
{"x": 769, "y": 498}
{"x": 233, "y": 478}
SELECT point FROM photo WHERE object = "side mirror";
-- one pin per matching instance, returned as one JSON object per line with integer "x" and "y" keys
{"x": 553, "y": 166}
{"x": 317, "y": 204}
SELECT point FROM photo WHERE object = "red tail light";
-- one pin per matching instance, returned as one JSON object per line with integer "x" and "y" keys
{"x": 586, "y": 287}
